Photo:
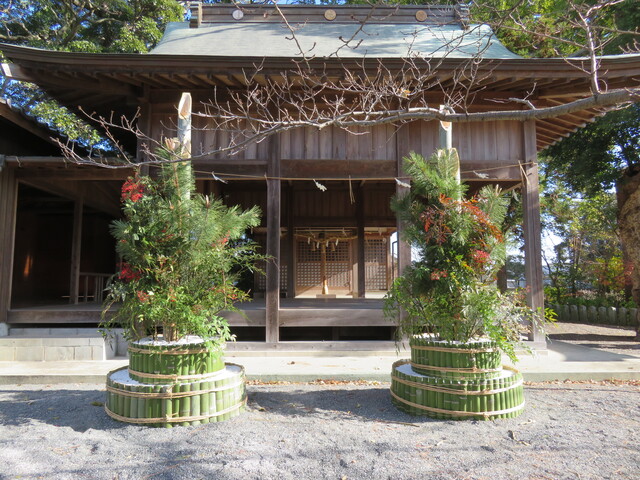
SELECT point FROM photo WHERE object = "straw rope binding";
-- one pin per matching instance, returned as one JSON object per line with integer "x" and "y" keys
{"x": 454, "y": 350}
{"x": 171, "y": 377}
{"x": 167, "y": 352}
{"x": 423, "y": 386}
{"x": 194, "y": 418}
{"x": 451, "y": 369}
{"x": 457, "y": 412}
{"x": 170, "y": 393}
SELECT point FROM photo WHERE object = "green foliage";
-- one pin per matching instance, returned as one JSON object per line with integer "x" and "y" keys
{"x": 450, "y": 289}
{"x": 558, "y": 28}
{"x": 113, "y": 26}
{"x": 593, "y": 158}
{"x": 587, "y": 252}
{"x": 124, "y": 26}
{"x": 181, "y": 256}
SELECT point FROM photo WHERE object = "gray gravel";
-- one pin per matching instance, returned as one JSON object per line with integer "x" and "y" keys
{"x": 333, "y": 431}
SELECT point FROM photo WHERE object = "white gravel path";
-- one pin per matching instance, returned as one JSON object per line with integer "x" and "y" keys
{"x": 333, "y": 431}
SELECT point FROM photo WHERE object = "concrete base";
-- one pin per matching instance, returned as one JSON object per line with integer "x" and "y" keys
{"x": 56, "y": 345}
{"x": 563, "y": 361}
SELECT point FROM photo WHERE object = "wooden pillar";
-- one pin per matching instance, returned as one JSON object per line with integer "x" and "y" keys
{"x": 402, "y": 150}
{"x": 361, "y": 242}
{"x": 8, "y": 204}
{"x": 272, "y": 295}
{"x": 291, "y": 245}
{"x": 531, "y": 226}
{"x": 76, "y": 251}
{"x": 323, "y": 267}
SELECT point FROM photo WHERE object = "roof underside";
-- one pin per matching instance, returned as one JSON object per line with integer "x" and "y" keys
{"x": 217, "y": 51}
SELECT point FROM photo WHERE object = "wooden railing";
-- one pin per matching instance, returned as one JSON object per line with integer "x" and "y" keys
{"x": 596, "y": 315}
{"x": 92, "y": 287}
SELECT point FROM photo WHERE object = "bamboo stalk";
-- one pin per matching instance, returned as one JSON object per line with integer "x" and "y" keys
{"x": 110, "y": 396}
{"x": 148, "y": 407}
{"x": 227, "y": 398}
{"x": 133, "y": 402}
{"x": 483, "y": 385}
{"x": 156, "y": 404}
{"x": 141, "y": 405}
{"x": 502, "y": 397}
{"x": 205, "y": 399}
{"x": 219, "y": 400}
{"x": 167, "y": 407}
{"x": 185, "y": 403}
{"x": 175, "y": 402}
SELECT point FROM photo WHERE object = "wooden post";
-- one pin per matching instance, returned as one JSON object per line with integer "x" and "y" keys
{"x": 272, "y": 295}
{"x": 76, "y": 251}
{"x": 402, "y": 149}
{"x": 531, "y": 226}
{"x": 323, "y": 267}
{"x": 8, "y": 204}
{"x": 361, "y": 243}
{"x": 291, "y": 246}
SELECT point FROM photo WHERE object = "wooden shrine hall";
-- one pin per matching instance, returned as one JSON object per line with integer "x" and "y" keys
{"x": 324, "y": 192}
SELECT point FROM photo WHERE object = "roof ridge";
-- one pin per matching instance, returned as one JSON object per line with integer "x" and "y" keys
{"x": 201, "y": 14}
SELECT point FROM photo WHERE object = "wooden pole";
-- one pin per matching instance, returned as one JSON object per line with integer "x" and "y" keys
{"x": 8, "y": 204}
{"x": 272, "y": 295}
{"x": 76, "y": 251}
{"x": 291, "y": 245}
{"x": 402, "y": 149}
{"x": 361, "y": 242}
{"x": 531, "y": 226}
{"x": 323, "y": 267}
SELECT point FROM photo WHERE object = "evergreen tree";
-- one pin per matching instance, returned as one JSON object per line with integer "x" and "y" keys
{"x": 182, "y": 254}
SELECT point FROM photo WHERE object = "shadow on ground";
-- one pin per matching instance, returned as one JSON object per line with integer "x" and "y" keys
{"x": 80, "y": 410}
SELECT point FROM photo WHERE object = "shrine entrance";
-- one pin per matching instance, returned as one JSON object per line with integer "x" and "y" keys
{"x": 326, "y": 261}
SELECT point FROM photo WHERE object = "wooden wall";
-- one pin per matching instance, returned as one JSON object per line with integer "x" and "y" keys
{"x": 484, "y": 147}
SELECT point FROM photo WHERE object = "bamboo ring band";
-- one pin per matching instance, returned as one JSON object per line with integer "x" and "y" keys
{"x": 451, "y": 369}
{"x": 455, "y": 350}
{"x": 433, "y": 388}
{"x": 171, "y": 377}
{"x": 457, "y": 412}
{"x": 170, "y": 394}
{"x": 167, "y": 352}
{"x": 120, "y": 418}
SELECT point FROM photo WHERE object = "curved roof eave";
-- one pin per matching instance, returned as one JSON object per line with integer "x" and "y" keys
{"x": 132, "y": 62}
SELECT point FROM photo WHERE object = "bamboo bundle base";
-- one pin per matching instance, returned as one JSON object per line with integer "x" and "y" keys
{"x": 439, "y": 397}
{"x": 214, "y": 398}
{"x": 479, "y": 359}
{"x": 159, "y": 362}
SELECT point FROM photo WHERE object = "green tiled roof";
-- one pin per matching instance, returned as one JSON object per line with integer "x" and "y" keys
{"x": 376, "y": 40}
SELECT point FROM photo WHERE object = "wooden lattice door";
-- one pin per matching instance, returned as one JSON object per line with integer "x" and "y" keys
{"x": 376, "y": 257}
{"x": 309, "y": 265}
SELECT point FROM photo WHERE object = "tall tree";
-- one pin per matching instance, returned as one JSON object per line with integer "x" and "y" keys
{"x": 602, "y": 156}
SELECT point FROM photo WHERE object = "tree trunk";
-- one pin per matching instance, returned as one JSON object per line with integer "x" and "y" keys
{"x": 628, "y": 194}
{"x": 502, "y": 278}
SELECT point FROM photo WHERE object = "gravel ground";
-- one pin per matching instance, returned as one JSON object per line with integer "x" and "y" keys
{"x": 330, "y": 430}
{"x": 601, "y": 337}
